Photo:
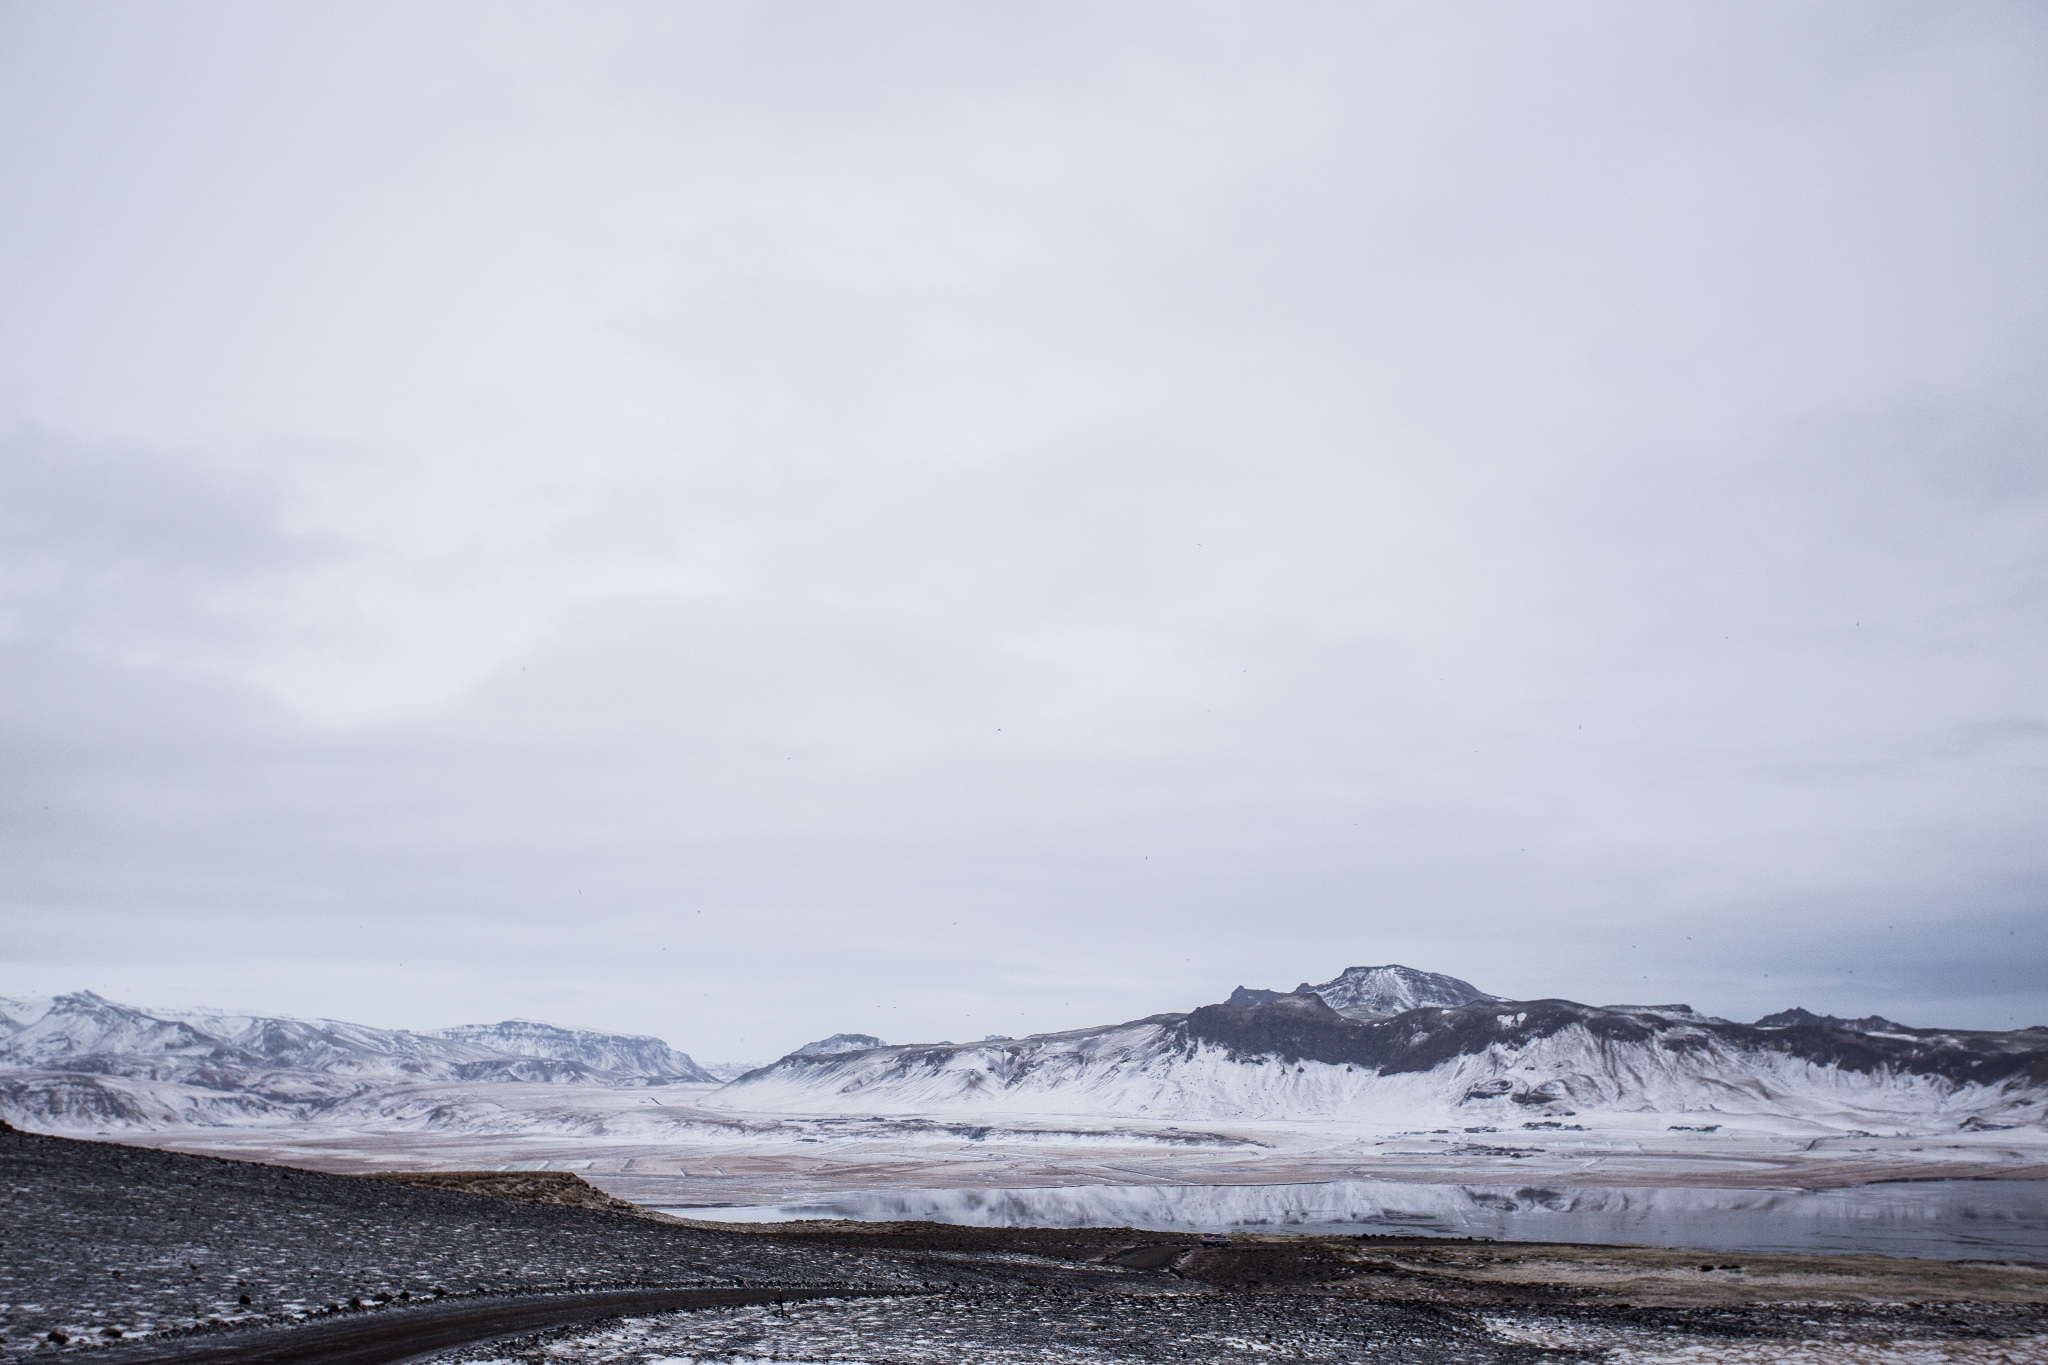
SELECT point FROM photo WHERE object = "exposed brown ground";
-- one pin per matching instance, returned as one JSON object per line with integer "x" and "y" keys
{"x": 1471, "y": 1273}
{"x": 564, "y": 1189}
{"x": 1657, "y": 1277}
{"x": 1420, "y": 1270}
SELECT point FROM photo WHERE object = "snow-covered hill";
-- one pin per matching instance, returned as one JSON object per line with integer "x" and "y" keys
{"x": 81, "y": 1060}
{"x": 1485, "y": 1065}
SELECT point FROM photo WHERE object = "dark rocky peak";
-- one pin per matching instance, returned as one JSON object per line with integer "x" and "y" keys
{"x": 87, "y": 1002}
{"x": 1305, "y": 1003}
{"x": 1259, "y": 1004}
{"x": 1796, "y": 1017}
{"x": 1245, "y": 995}
{"x": 1874, "y": 1023}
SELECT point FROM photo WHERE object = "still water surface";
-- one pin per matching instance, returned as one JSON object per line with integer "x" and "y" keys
{"x": 1947, "y": 1219}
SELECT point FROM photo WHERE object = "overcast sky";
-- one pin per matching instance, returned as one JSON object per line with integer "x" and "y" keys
{"x": 746, "y": 520}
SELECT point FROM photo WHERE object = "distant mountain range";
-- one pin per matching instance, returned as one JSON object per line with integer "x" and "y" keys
{"x": 81, "y": 1060}
{"x": 1373, "y": 1045}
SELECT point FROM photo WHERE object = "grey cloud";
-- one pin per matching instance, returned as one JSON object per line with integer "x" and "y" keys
{"x": 749, "y": 524}
{"x": 131, "y": 549}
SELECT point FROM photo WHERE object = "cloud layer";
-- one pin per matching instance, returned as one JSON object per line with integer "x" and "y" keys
{"x": 751, "y": 522}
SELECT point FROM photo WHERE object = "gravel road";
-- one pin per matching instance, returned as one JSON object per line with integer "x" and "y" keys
{"x": 390, "y": 1335}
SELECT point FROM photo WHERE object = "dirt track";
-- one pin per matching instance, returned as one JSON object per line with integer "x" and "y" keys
{"x": 384, "y": 1337}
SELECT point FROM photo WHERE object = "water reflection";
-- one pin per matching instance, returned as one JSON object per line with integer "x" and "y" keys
{"x": 1948, "y": 1219}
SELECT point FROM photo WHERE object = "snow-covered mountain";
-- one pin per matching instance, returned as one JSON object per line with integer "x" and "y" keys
{"x": 82, "y": 1059}
{"x": 1483, "y": 1064}
{"x": 1377, "y": 992}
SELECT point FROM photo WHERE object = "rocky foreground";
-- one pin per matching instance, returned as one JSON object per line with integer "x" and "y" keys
{"x": 125, "y": 1252}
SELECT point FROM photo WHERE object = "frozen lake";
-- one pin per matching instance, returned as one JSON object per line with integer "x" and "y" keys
{"x": 1944, "y": 1219}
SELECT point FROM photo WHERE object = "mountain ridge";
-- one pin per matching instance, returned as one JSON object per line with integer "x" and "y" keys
{"x": 1337, "y": 1051}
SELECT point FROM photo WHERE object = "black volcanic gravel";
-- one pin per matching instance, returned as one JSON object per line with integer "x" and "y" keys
{"x": 1035, "y": 1327}
{"x": 98, "y": 1236}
